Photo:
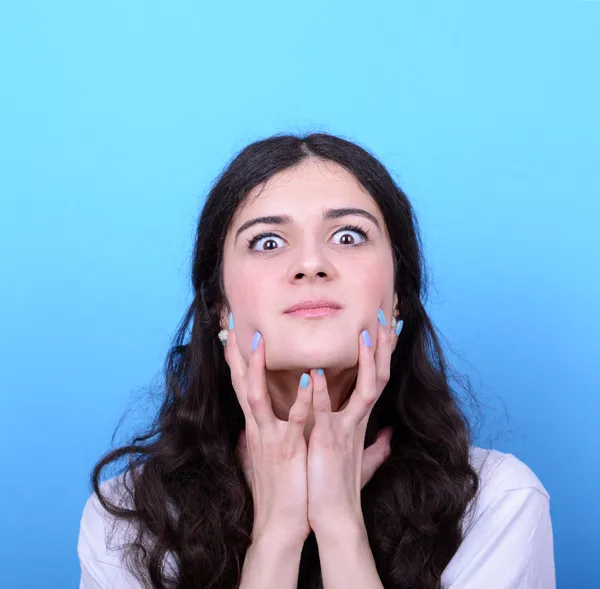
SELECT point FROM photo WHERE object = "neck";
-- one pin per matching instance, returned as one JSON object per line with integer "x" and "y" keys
{"x": 283, "y": 388}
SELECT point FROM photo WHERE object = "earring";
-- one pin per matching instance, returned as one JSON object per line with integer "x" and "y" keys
{"x": 393, "y": 323}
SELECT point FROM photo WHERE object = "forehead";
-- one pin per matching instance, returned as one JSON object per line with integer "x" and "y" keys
{"x": 309, "y": 187}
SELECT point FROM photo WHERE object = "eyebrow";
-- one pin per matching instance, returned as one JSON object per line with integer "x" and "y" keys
{"x": 327, "y": 215}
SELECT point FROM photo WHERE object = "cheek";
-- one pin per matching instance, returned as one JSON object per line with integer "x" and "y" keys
{"x": 255, "y": 296}
{"x": 372, "y": 283}
{"x": 250, "y": 297}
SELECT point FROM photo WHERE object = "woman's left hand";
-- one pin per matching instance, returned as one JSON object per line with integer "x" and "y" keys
{"x": 338, "y": 463}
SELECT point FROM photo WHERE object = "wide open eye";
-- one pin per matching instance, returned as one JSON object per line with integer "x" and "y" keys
{"x": 267, "y": 237}
{"x": 344, "y": 232}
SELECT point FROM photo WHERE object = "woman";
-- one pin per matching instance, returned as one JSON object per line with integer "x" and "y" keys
{"x": 322, "y": 446}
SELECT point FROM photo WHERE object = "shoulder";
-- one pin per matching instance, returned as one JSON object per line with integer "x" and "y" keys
{"x": 507, "y": 530}
{"x": 103, "y": 538}
{"x": 98, "y": 529}
{"x": 500, "y": 472}
{"x": 504, "y": 479}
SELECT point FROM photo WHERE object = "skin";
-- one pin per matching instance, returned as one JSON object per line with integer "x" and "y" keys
{"x": 302, "y": 451}
{"x": 308, "y": 258}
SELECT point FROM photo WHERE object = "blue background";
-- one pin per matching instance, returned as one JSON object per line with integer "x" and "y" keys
{"x": 115, "y": 117}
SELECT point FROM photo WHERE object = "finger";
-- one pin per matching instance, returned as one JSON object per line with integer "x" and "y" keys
{"x": 244, "y": 457}
{"x": 395, "y": 333}
{"x": 298, "y": 416}
{"x": 383, "y": 356}
{"x": 258, "y": 395}
{"x": 320, "y": 399}
{"x": 239, "y": 371}
{"x": 365, "y": 394}
{"x": 375, "y": 455}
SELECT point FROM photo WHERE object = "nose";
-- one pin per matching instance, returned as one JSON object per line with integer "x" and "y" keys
{"x": 311, "y": 263}
{"x": 308, "y": 275}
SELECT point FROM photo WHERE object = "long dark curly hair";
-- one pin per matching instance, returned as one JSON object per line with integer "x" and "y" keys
{"x": 187, "y": 493}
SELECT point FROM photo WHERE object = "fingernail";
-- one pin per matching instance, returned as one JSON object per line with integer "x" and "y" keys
{"x": 381, "y": 317}
{"x": 255, "y": 340}
{"x": 366, "y": 338}
{"x": 320, "y": 372}
{"x": 230, "y": 320}
{"x": 304, "y": 381}
{"x": 399, "y": 327}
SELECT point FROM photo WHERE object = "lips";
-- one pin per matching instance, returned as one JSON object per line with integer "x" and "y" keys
{"x": 314, "y": 304}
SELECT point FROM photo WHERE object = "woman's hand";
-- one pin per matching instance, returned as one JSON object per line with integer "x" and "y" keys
{"x": 273, "y": 452}
{"x": 338, "y": 464}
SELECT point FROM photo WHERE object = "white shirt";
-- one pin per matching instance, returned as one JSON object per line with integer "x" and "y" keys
{"x": 507, "y": 544}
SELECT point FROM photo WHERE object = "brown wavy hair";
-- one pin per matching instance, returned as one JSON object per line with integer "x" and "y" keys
{"x": 187, "y": 493}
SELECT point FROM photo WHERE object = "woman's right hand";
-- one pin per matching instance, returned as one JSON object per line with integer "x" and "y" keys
{"x": 273, "y": 452}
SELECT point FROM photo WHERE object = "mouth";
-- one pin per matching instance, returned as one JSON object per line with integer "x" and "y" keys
{"x": 316, "y": 308}
{"x": 314, "y": 313}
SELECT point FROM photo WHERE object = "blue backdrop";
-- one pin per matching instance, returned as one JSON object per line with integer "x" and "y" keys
{"x": 116, "y": 116}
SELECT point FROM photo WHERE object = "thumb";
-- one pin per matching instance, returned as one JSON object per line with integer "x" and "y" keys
{"x": 375, "y": 455}
{"x": 244, "y": 457}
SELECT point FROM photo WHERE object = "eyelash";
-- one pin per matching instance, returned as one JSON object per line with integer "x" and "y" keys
{"x": 363, "y": 232}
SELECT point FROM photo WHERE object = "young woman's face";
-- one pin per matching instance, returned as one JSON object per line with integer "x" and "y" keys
{"x": 311, "y": 255}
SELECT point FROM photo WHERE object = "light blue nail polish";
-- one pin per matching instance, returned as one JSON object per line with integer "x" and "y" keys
{"x": 366, "y": 338}
{"x": 320, "y": 372}
{"x": 230, "y": 320}
{"x": 304, "y": 381}
{"x": 399, "y": 327}
{"x": 255, "y": 340}
{"x": 381, "y": 317}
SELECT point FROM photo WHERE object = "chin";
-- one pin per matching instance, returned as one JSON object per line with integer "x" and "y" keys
{"x": 317, "y": 353}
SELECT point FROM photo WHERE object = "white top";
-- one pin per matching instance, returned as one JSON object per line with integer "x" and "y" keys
{"x": 508, "y": 541}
